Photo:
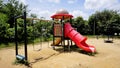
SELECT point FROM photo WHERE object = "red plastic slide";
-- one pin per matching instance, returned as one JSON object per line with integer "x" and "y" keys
{"x": 77, "y": 38}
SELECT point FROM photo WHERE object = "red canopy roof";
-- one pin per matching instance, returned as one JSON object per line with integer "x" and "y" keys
{"x": 62, "y": 13}
{"x": 60, "y": 16}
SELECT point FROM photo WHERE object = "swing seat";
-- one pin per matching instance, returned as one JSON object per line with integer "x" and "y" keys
{"x": 20, "y": 57}
{"x": 108, "y": 41}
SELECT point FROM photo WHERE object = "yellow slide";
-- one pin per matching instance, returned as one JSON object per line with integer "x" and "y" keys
{"x": 57, "y": 41}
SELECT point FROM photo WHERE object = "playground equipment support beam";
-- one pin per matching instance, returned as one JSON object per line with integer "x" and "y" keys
{"x": 53, "y": 35}
{"x": 16, "y": 41}
{"x": 25, "y": 36}
{"x": 62, "y": 21}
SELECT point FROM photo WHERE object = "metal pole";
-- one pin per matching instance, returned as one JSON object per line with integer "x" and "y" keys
{"x": 53, "y": 35}
{"x": 70, "y": 20}
{"x": 25, "y": 36}
{"x": 41, "y": 37}
{"x": 47, "y": 37}
{"x": 70, "y": 39}
{"x": 16, "y": 43}
{"x": 33, "y": 33}
{"x": 94, "y": 28}
{"x": 71, "y": 24}
{"x": 63, "y": 32}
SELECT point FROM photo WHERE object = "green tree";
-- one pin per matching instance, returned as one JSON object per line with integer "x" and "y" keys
{"x": 33, "y": 15}
{"x": 3, "y": 27}
{"x": 81, "y": 25}
{"x": 1, "y": 3}
{"x": 43, "y": 29}
{"x": 115, "y": 23}
{"x": 104, "y": 22}
{"x": 13, "y": 8}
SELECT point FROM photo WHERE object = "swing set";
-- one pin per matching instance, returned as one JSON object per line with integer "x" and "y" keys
{"x": 25, "y": 56}
{"x": 18, "y": 56}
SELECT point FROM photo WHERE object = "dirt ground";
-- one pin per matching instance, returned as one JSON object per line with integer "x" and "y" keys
{"x": 108, "y": 56}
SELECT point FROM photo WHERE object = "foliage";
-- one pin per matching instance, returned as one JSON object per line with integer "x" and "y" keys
{"x": 107, "y": 20}
{"x": 3, "y": 27}
{"x": 43, "y": 29}
{"x": 13, "y": 8}
{"x": 81, "y": 25}
{"x": 1, "y": 3}
{"x": 33, "y": 15}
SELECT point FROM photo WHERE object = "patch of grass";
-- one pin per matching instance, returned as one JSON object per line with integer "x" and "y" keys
{"x": 17, "y": 62}
{"x": 10, "y": 45}
{"x": 90, "y": 36}
{"x": 6, "y": 45}
{"x": 102, "y": 36}
{"x": 36, "y": 40}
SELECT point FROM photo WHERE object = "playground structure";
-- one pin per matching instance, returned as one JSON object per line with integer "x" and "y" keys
{"x": 64, "y": 30}
{"x": 109, "y": 35}
{"x": 18, "y": 56}
{"x": 109, "y": 39}
{"x": 58, "y": 28}
{"x": 24, "y": 58}
{"x": 33, "y": 21}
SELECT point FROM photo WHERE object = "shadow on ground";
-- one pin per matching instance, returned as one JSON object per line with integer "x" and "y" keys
{"x": 73, "y": 48}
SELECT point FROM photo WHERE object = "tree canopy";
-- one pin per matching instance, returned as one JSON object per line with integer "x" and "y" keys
{"x": 12, "y": 8}
{"x": 106, "y": 22}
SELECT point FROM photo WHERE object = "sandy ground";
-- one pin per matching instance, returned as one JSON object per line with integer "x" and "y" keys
{"x": 108, "y": 56}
